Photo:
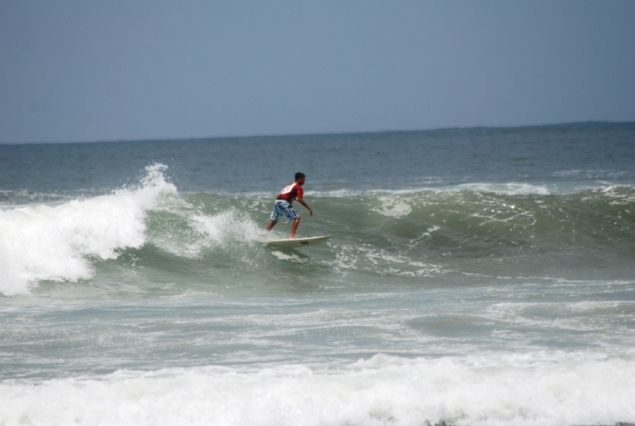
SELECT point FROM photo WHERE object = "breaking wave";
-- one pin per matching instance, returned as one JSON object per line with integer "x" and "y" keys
{"x": 56, "y": 242}
{"x": 413, "y": 233}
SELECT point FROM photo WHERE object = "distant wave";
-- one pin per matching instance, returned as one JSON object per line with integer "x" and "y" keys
{"x": 503, "y": 188}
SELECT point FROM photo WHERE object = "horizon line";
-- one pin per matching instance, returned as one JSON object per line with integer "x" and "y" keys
{"x": 325, "y": 133}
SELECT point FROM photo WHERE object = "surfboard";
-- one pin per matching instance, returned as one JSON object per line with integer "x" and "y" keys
{"x": 298, "y": 242}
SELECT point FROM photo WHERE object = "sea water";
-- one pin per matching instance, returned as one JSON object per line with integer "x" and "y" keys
{"x": 474, "y": 277}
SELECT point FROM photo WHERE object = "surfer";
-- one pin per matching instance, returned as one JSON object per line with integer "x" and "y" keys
{"x": 284, "y": 205}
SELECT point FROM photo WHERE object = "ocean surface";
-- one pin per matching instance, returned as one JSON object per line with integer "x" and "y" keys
{"x": 481, "y": 276}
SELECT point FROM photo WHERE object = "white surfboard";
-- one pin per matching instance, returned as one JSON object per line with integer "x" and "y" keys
{"x": 298, "y": 242}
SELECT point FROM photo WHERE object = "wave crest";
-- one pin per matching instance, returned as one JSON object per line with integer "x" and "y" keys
{"x": 42, "y": 242}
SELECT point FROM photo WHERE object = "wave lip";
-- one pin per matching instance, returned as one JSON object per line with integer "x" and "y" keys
{"x": 41, "y": 242}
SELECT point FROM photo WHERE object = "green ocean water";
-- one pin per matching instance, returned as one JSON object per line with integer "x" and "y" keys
{"x": 476, "y": 276}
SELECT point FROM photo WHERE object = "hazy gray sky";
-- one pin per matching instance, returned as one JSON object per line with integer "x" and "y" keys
{"x": 75, "y": 70}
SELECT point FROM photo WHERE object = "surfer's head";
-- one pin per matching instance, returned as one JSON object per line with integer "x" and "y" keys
{"x": 299, "y": 178}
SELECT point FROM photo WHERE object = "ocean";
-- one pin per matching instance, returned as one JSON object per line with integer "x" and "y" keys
{"x": 477, "y": 276}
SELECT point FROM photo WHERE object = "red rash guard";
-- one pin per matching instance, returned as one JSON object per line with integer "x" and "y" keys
{"x": 291, "y": 192}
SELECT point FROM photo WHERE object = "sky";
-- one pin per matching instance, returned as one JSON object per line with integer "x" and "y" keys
{"x": 88, "y": 70}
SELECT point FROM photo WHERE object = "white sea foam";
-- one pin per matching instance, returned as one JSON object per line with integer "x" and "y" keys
{"x": 391, "y": 206}
{"x": 523, "y": 390}
{"x": 227, "y": 226}
{"x": 509, "y": 188}
{"x": 503, "y": 188}
{"x": 591, "y": 174}
{"x": 42, "y": 242}
{"x": 288, "y": 257}
{"x": 206, "y": 231}
{"x": 620, "y": 194}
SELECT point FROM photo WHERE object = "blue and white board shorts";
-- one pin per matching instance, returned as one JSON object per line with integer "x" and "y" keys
{"x": 282, "y": 207}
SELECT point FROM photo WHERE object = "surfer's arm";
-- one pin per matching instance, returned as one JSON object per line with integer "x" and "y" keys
{"x": 306, "y": 206}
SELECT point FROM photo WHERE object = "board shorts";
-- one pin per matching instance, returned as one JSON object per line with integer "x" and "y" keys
{"x": 283, "y": 208}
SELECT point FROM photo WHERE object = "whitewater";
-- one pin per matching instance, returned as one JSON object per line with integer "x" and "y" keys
{"x": 474, "y": 277}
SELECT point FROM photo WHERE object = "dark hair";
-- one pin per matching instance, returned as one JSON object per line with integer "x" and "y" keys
{"x": 299, "y": 175}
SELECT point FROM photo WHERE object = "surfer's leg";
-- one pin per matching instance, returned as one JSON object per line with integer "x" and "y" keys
{"x": 273, "y": 219}
{"x": 294, "y": 227}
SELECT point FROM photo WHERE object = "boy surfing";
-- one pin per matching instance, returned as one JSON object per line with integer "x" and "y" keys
{"x": 284, "y": 205}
